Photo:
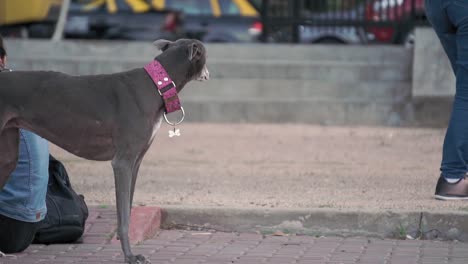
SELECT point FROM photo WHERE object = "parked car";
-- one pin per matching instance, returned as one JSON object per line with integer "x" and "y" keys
{"x": 322, "y": 34}
{"x": 329, "y": 33}
{"x": 206, "y": 20}
{"x": 398, "y": 19}
{"x": 330, "y": 27}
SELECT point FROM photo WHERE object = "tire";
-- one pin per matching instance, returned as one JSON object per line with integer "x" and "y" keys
{"x": 41, "y": 30}
{"x": 15, "y": 32}
{"x": 408, "y": 39}
{"x": 329, "y": 40}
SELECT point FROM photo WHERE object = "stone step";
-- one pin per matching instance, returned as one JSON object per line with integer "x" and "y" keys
{"x": 135, "y": 50}
{"x": 314, "y": 111}
{"x": 292, "y": 62}
{"x": 346, "y": 53}
{"x": 242, "y": 69}
{"x": 291, "y": 89}
{"x": 321, "y": 70}
{"x": 341, "y": 85}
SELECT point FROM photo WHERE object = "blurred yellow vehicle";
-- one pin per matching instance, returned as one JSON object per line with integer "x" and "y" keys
{"x": 207, "y": 20}
{"x": 33, "y": 18}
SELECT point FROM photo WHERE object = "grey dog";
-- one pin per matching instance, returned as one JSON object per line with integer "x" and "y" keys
{"x": 98, "y": 117}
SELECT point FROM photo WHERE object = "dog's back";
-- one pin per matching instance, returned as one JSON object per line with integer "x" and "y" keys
{"x": 85, "y": 106}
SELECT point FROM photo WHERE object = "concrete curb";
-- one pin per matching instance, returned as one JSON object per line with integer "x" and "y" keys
{"x": 145, "y": 222}
{"x": 318, "y": 222}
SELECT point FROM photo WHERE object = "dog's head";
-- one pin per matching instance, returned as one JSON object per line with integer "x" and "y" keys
{"x": 186, "y": 50}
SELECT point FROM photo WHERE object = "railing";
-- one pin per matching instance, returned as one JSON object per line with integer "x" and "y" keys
{"x": 341, "y": 21}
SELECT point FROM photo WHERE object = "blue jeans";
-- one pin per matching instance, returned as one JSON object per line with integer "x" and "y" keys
{"x": 449, "y": 19}
{"x": 23, "y": 196}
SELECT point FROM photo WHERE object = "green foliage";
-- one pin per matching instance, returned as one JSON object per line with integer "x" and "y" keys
{"x": 402, "y": 232}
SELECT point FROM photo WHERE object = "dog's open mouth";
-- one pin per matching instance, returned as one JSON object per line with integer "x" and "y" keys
{"x": 204, "y": 75}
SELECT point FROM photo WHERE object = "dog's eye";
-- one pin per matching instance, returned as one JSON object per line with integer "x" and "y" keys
{"x": 165, "y": 47}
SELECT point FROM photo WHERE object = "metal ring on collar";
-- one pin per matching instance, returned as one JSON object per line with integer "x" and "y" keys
{"x": 177, "y": 123}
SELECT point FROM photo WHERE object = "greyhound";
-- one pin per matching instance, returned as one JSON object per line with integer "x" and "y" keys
{"x": 98, "y": 117}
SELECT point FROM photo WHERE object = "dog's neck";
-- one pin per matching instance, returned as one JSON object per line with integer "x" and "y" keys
{"x": 178, "y": 71}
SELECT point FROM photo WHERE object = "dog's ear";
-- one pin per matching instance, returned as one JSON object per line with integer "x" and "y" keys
{"x": 194, "y": 51}
{"x": 162, "y": 44}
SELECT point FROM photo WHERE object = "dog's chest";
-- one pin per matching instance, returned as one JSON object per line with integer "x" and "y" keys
{"x": 156, "y": 126}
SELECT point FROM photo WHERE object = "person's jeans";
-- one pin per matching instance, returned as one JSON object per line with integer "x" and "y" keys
{"x": 23, "y": 197}
{"x": 449, "y": 19}
{"x": 22, "y": 200}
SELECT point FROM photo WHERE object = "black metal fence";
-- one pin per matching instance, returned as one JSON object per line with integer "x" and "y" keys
{"x": 341, "y": 21}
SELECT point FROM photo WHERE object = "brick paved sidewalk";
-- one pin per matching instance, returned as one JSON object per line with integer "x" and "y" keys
{"x": 186, "y": 247}
{"x": 189, "y": 247}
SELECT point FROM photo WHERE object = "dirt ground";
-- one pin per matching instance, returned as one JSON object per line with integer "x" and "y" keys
{"x": 279, "y": 166}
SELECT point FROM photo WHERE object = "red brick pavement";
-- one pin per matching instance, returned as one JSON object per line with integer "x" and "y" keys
{"x": 100, "y": 226}
{"x": 189, "y": 247}
{"x": 102, "y": 223}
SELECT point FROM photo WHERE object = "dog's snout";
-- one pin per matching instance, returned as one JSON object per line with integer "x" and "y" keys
{"x": 204, "y": 75}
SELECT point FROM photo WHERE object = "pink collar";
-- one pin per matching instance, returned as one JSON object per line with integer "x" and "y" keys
{"x": 166, "y": 87}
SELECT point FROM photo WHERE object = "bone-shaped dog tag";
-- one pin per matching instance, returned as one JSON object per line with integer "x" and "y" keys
{"x": 174, "y": 133}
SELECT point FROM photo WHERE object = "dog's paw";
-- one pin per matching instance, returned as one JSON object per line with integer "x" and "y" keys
{"x": 138, "y": 259}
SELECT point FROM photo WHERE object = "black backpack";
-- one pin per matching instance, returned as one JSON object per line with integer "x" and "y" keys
{"x": 66, "y": 211}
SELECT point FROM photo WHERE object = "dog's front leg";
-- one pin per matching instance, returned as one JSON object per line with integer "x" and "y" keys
{"x": 136, "y": 168}
{"x": 123, "y": 168}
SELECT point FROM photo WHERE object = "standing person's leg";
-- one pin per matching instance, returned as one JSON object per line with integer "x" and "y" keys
{"x": 454, "y": 164}
{"x": 437, "y": 15}
{"x": 449, "y": 20}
